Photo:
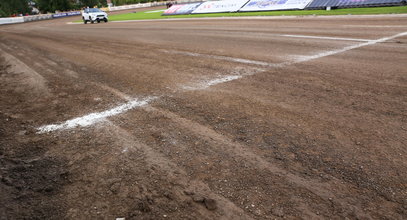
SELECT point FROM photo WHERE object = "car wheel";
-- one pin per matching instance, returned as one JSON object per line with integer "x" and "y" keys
{"x": 98, "y": 20}
{"x": 105, "y": 20}
{"x": 92, "y": 21}
{"x": 84, "y": 21}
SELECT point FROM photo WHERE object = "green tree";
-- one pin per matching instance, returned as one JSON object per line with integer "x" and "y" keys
{"x": 2, "y": 13}
{"x": 9, "y": 7}
{"x": 91, "y": 3}
{"x": 54, "y": 5}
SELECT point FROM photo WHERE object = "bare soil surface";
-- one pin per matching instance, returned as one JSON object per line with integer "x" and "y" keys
{"x": 300, "y": 133}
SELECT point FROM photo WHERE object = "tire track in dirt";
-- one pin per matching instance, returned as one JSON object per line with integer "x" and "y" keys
{"x": 130, "y": 64}
{"x": 235, "y": 149}
{"x": 226, "y": 171}
{"x": 20, "y": 73}
{"x": 50, "y": 66}
{"x": 227, "y": 210}
{"x": 32, "y": 88}
{"x": 290, "y": 147}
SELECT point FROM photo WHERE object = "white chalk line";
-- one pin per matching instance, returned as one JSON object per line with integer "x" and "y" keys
{"x": 324, "y": 38}
{"x": 299, "y": 59}
{"x": 92, "y": 118}
{"x": 333, "y": 52}
{"x": 212, "y": 82}
{"x": 238, "y": 73}
{"x": 226, "y": 58}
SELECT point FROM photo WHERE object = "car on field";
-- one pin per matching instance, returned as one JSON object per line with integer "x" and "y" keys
{"x": 94, "y": 15}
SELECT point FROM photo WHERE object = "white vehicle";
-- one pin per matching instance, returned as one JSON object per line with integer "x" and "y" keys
{"x": 94, "y": 14}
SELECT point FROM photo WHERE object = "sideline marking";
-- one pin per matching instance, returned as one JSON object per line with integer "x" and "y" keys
{"x": 326, "y": 38}
{"x": 332, "y": 52}
{"x": 300, "y": 59}
{"x": 218, "y": 57}
{"x": 92, "y": 118}
{"x": 209, "y": 83}
{"x": 95, "y": 117}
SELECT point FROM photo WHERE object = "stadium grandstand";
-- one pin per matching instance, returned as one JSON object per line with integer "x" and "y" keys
{"x": 320, "y": 4}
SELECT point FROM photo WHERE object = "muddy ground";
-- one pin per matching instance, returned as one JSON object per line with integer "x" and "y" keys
{"x": 299, "y": 134}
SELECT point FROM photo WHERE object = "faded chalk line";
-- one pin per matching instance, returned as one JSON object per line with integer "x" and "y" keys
{"x": 332, "y": 52}
{"x": 212, "y": 82}
{"x": 236, "y": 74}
{"x": 299, "y": 59}
{"x": 218, "y": 57}
{"x": 93, "y": 118}
{"x": 323, "y": 37}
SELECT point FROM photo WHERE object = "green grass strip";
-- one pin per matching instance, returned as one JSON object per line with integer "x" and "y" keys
{"x": 346, "y": 11}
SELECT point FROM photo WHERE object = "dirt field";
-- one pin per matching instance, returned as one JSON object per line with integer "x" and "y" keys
{"x": 259, "y": 118}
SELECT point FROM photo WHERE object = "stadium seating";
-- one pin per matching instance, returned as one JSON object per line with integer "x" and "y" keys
{"x": 320, "y": 4}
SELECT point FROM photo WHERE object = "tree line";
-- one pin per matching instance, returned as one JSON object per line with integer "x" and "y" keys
{"x": 12, "y": 7}
{"x": 9, "y": 7}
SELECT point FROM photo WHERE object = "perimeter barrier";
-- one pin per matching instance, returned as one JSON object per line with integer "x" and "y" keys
{"x": 14, "y": 20}
{"x": 11, "y": 20}
{"x": 66, "y": 14}
{"x": 37, "y": 18}
{"x": 31, "y": 18}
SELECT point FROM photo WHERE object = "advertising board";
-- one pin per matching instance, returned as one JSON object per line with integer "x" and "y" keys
{"x": 65, "y": 14}
{"x": 11, "y": 20}
{"x": 270, "y": 5}
{"x": 37, "y": 17}
{"x": 182, "y": 9}
{"x": 220, "y": 6}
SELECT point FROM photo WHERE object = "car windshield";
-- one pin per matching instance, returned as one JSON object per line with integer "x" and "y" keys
{"x": 94, "y": 10}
